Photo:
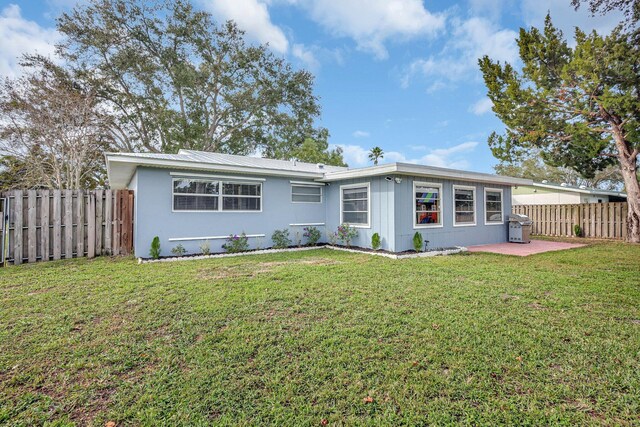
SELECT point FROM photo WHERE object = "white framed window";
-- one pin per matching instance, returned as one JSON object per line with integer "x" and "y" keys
{"x": 203, "y": 195}
{"x": 306, "y": 193}
{"x": 427, "y": 205}
{"x": 464, "y": 205}
{"x": 493, "y": 212}
{"x": 355, "y": 205}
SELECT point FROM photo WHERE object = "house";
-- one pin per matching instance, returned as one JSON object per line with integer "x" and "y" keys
{"x": 193, "y": 196}
{"x": 545, "y": 193}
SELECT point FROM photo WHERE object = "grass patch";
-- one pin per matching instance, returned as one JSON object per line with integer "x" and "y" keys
{"x": 298, "y": 338}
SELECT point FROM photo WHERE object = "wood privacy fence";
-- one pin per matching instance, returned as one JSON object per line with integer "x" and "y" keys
{"x": 44, "y": 225}
{"x": 600, "y": 220}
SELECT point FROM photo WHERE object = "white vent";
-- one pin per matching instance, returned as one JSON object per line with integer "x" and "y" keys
{"x": 564, "y": 184}
{"x": 544, "y": 181}
{"x": 320, "y": 165}
{"x": 583, "y": 187}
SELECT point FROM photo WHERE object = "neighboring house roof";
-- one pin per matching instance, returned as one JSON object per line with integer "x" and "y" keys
{"x": 122, "y": 166}
{"x": 582, "y": 189}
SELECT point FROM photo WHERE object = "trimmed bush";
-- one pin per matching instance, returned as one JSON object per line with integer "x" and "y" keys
{"x": 417, "y": 241}
{"x": 154, "y": 252}
{"x": 577, "y": 230}
{"x": 375, "y": 241}
{"x": 347, "y": 233}
{"x": 179, "y": 250}
{"x": 236, "y": 243}
{"x": 205, "y": 248}
{"x": 312, "y": 234}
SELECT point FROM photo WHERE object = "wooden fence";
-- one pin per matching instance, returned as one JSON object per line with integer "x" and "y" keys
{"x": 44, "y": 225}
{"x": 599, "y": 220}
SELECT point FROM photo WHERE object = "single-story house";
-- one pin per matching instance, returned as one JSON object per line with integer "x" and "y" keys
{"x": 193, "y": 196}
{"x": 545, "y": 193}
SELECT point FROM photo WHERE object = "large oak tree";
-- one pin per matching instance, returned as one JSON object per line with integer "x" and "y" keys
{"x": 579, "y": 106}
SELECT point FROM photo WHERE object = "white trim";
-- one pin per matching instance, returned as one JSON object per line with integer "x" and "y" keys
{"x": 220, "y": 196}
{"x": 310, "y": 186}
{"x": 358, "y": 185}
{"x": 308, "y": 224}
{"x": 184, "y": 239}
{"x": 215, "y": 177}
{"x": 498, "y": 190}
{"x": 415, "y": 212}
{"x": 475, "y": 205}
{"x": 572, "y": 189}
{"x": 319, "y": 184}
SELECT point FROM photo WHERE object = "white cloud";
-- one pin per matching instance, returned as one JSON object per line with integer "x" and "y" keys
{"x": 305, "y": 55}
{"x": 20, "y": 36}
{"x": 481, "y": 107}
{"x": 253, "y": 17}
{"x": 452, "y": 157}
{"x": 371, "y": 23}
{"x": 470, "y": 40}
{"x": 361, "y": 134}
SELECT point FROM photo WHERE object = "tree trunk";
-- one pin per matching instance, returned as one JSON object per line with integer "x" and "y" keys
{"x": 633, "y": 200}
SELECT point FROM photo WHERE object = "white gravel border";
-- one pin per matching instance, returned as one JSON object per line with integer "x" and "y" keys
{"x": 306, "y": 248}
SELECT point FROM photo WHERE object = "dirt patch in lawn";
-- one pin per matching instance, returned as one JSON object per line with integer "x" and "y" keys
{"x": 251, "y": 270}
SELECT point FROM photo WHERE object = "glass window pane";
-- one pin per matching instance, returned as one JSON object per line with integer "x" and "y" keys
{"x": 191, "y": 186}
{"x": 464, "y": 206}
{"x": 463, "y": 194}
{"x": 494, "y": 206}
{"x": 241, "y": 203}
{"x": 428, "y": 218}
{"x": 354, "y": 193}
{"x": 494, "y": 216}
{"x": 300, "y": 189}
{"x": 355, "y": 205}
{"x": 355, "y": 217}
{"x": 306, "y": 198}
{"x": 464, "y": 217}
{"x": 195, "y": 203}
{"x": 231, "y": 188}
{"x": 494, "y": 196}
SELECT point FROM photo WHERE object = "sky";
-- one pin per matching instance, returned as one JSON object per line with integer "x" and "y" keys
{"x": 398, "y": 74}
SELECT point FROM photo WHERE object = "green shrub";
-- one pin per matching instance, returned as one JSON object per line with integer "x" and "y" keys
{"x": 417, "y": 241}
{"x": 312, "y": 234}
{"x": 236, "y": 243}
{"x": 281, "y": 239}
{"x": 205, "y": 248}
{"x": 154, "y": 252}
{"x": 347, "y": 233}
{"x": 179, "y": 250}
{"x": 333, "y": 238}
{"x": 577, "y": 230}
{"x": 375, "y": 241}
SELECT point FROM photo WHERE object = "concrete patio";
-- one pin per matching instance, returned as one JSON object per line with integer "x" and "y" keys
{"x": 524, "y": 249}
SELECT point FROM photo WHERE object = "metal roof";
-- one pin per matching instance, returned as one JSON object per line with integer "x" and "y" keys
{"x": 581, "y": 189}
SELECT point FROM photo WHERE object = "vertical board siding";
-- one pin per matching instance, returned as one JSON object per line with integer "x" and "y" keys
{"x": 598, "y": 220}
{"x": 58, "y": 224}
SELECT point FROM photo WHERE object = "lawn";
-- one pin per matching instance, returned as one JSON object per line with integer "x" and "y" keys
{"x": 324, "y": 337}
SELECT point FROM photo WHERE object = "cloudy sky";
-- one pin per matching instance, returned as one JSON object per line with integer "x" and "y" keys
{"x": 399, "y": 74}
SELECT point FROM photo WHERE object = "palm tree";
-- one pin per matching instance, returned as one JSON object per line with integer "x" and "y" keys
{"x": 375, "y": 154}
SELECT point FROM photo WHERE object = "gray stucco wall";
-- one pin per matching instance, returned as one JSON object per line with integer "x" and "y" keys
{"x": 154, "y": 215}
{"x": 391, "y": 214}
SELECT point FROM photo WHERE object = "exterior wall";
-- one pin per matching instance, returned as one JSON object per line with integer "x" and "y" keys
{"x": 448, "y": 235}
{"x": 381, "y": 210}
{"x": 155, "y": 216}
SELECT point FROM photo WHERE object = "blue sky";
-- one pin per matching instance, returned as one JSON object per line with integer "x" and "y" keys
{"x": 399, "y": 74}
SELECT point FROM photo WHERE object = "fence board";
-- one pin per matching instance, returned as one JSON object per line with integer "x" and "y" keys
{"x": 31, "y": 226}
{"x": 91, "y": 225}
{"x": 57, "y": 224}
{"x": 598, "y": 220}
{"x": 44, "y": 226}
{"x": 108, "y": 221}
{"x": 99, "y": 216}
{"x": 17, "y": 228}
{"x": 68, "y": 224}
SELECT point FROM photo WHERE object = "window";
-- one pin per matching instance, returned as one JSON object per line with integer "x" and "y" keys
{"x": 464, "y": 205}
{"x": 493, "y": 206}
{"x": 427, "y": 211}
{"x": 205, "y": 195}
{"x": 306, "y": 193}
{"x": 354, "y": 205}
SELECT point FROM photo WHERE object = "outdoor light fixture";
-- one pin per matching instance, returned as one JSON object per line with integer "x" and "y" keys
{"x": 398, "y": 180}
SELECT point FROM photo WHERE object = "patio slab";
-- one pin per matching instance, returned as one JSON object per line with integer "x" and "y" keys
{"x": 524, "y": 249}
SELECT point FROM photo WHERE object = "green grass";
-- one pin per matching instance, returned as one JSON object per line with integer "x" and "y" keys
{"x": 298, "y": 338}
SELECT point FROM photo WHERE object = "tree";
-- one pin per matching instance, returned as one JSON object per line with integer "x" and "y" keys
{"x": 175, "y": 79}
{"x": 375, "y": 154}
{"x": 52, "y": 133}
{"x": 579, "y": 106}
{"x": 317, "y": 151}
{"x": 630, "y": 8}
{"x": 534, "y": 168}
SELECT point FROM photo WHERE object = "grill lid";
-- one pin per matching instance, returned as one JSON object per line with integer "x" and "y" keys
{"x": 520, "y": 219}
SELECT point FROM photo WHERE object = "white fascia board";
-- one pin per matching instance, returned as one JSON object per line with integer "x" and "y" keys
{"x": 426, "y": 171}
{"x": 115, "y": 161}
{"x": 591, "y": 191}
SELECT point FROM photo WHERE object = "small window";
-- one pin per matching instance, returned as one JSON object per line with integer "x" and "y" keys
{"x": 195, "y": 195}
{"x": 464, "y": 203}
{"x": 306, "y": 194}
{"x": 427, "y": 208}
{"x": 493, "y": 206}
{"x": 241, "y": 196}
{"x": 355, "y": 205}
